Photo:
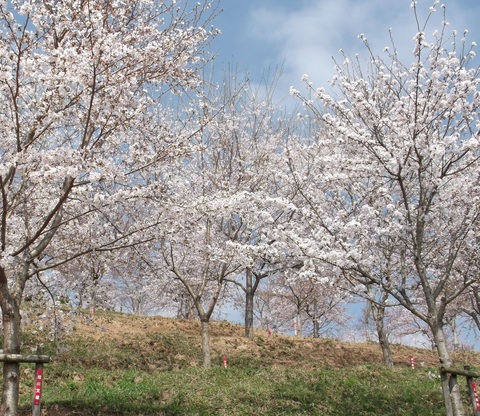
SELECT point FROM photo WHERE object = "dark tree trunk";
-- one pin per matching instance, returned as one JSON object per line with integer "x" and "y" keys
{"x": 249, "y": 294}
{"x": 316, "y": 329}
{"x": 315, "y": 320}
{"x": 378, "y": 314}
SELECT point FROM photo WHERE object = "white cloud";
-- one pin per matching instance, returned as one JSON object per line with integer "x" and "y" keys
{"x": 304, "y": 35}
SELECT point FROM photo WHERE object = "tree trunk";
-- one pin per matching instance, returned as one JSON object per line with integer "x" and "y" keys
{"x": 249, "y": 293}
{"x": 378, "y": 314}
{"x": 207, "y": 361}
{"x": 456, "y": 342}
{"x": 316, "y": 328}
{"x": 452, "y": 394}
{"x": 11, "y": 320}
{"x": 316, "y": 324}
{"x": 366, "y": 320}
{"x": 298, "y": 324}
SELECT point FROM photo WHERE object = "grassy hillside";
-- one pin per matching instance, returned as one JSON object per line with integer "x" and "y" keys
{"x": 128, "y": 365}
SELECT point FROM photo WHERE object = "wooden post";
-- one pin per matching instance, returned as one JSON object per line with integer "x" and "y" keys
{"x": 449, "y": 383}
{"x": 454, "y": 388}
{"x": 19, "y": 358}
{"x": 37, "y": 389}
{"x": 446, "y": 393}
{"x": 39, "y": 360}
{"x": 472, "y": 390}
{"x": 37, "y": 386}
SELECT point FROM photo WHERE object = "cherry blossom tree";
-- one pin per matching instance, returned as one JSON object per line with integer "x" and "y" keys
{"x": 252, "y": 131}
{"x": 221, "y": 202}
{"x": 262, "y": 302}
{"x": 307, "y": 301}
{"x": 255, "y": 128}
{"x": 271, "y": 311}
{"x": 377, "y": 305}
{"x": 192, "y": 255}
{"x": 403, "y": 178}
{"x": 134, "y": 289}
{"x": 81, "y": 87}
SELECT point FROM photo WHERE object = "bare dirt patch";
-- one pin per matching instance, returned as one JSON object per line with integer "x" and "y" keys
{"x": 154, "y": 336}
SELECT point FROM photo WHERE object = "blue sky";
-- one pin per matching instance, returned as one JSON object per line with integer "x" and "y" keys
{"x": 304, "y": 35}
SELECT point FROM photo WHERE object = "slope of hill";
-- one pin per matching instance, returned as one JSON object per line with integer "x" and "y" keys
{"x": 122, "y": 364}
{"x": 164, "y": 343}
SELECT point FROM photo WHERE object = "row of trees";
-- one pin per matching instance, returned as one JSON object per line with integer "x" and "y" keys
{"x": 129, "y": 179}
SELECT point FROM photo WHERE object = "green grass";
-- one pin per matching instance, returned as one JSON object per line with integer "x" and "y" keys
{"x": 155, "y": 372}
{"x": 239, "y": 391}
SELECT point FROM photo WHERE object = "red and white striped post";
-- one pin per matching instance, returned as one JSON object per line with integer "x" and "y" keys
{"x": 475, "y": 395}
{"x": 225, "y": 362}
{"x": 412, "y": 362}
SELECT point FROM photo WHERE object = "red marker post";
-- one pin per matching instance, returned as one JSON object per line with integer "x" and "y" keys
{"x": 225, "y": 362}
{"x": 475, "y": 395}
{"x": 39, "y": 360}
{"x": 412, "y": 362}
{"x": 37, "y": 392}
